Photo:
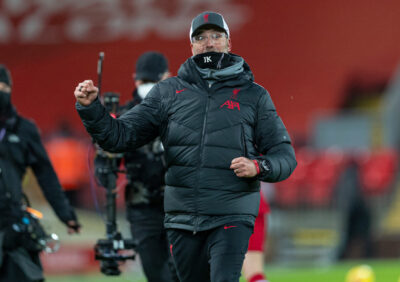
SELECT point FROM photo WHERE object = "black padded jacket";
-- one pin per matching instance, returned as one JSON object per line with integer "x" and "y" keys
{"x": 203, "y": 126}
{"x": 20, "y": 148}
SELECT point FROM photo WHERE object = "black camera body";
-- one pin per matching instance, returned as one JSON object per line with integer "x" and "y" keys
{"x": 111, "y": 252}
{"x": 29, "y": 232}
{"x": 111, "y": 102}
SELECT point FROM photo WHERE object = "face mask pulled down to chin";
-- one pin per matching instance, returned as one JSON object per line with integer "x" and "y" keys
{"x": 144, "y": 89}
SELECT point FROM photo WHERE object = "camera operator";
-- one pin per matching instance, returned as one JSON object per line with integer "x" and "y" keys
{"x": 145, "y": 171}
{"x": 21, "y": 147}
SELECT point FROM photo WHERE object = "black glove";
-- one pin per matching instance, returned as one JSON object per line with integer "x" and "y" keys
{"x": 75, "y": 225}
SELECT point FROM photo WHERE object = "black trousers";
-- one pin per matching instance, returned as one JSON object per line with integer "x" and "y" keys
{"x": 17, "y": 263}
{"x": 147, "y": 228}
{"x": 12, "y": 271}
{"x": 213, "y": 255}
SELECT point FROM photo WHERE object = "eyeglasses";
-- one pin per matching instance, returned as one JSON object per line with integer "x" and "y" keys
{"x": 202, "y": 38}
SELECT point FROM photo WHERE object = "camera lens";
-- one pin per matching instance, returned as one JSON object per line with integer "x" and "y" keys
{"x": 110, "y": 268}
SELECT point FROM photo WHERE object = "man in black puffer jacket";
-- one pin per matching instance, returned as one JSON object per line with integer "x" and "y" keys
{"x": 221, "y": 135}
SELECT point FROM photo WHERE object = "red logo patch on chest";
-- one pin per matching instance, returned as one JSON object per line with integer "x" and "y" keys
{"x": 235, "y": 93}
{"x": 179, "y": 91}
{"x": 231, "y": 105}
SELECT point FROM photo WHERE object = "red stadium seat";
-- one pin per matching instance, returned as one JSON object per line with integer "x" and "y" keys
{"x": 377, "y": 171}
{"x": 289, "y": 192}
{"x": 323, "y": 175}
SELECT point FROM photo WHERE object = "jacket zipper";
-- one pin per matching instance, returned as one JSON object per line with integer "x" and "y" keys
{"x": 203, "y": 132}
{"x": 244, "y": 142}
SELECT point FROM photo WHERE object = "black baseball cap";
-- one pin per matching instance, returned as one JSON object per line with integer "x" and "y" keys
{"x": 151, "y": 66}
{"x": 208, "y": 19}
{"x": 5, "y": 75}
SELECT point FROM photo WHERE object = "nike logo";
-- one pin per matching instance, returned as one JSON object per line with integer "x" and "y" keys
{"x": 227, "y": 227}
{"x": 179, "y": 91}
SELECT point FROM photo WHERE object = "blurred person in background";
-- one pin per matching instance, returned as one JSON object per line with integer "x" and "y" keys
{"x": 144, "y": 192}
{"x": 68, "y": 154}
{"x": 21, "y": 147}
{"x": 253, "y": 265}
{"x": 221, "y": 135}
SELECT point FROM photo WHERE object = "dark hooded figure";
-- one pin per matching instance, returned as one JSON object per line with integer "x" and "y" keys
{"x": 20, "y": 148}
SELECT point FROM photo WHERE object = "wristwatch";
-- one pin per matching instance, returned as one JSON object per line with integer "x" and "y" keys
{"x": 264, "y": 167}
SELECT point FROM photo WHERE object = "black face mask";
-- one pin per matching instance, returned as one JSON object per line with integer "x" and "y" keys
{"x": 213, "y": 60}
{"x": 5, "y": 103}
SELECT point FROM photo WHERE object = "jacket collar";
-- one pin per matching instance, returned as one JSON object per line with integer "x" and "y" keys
{"x": 236, "y": 74}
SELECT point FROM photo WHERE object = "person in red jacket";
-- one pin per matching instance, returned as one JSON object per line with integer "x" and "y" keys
{"x": 253, "y": 265}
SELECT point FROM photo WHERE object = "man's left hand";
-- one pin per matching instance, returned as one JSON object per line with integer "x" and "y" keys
{"x": 243, "y": 167}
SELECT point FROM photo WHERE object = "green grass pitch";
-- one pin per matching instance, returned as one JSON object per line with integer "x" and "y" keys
{"x": 384, "y": 270}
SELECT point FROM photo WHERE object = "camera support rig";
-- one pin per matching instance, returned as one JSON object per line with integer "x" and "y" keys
{"x": 110, "y": 251}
